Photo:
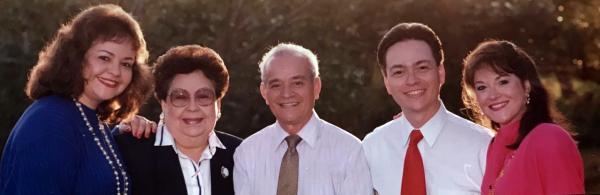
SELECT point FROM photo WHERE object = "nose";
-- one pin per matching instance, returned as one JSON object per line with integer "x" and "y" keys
{"x": 115, "y": 69}
{"x": 192, "y": 105}
{"x": 287, "y": 91}
{"x": 493, "y": 93}
{"x": 411, "y": 78}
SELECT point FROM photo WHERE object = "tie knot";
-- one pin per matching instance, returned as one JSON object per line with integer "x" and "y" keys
{"x": 293, "y": 140}
{"x": 415, "y": 136}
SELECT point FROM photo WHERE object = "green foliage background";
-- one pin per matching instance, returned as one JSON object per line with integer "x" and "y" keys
{"x": 562, "y": 35}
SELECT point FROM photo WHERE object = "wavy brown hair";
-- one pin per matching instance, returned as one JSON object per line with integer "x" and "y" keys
{"x": 59, "y": 70}
{"x": 504, "y": 57}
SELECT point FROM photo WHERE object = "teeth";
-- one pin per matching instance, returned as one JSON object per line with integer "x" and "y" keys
{"x": 289, "y": 104}
{"x": 498, "y": 105}
{"x": 415, "y": 92}
{"x": 191, "y": 121}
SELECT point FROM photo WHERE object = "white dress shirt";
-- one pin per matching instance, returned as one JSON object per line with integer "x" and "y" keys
{"x": 331, "y": 161}
{"x": 195, "y": 174}
{"x": 453, "y": 150}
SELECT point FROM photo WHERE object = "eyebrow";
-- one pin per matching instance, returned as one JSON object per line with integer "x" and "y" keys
{"x": 495, "y": 79}
{"x": 113, "y": 54}
{"x": 416, "y": 63}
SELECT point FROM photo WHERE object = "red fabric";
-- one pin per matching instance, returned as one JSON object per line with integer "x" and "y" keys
{"x": 413, "y": 178}
{"x": 546, "y": 162}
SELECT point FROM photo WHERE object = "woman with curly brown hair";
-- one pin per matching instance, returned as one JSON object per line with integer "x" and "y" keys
{"x": 531, "y": 153}
{"x": 93, "y": 72}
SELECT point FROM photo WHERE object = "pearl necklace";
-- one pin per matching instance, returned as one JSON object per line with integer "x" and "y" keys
{"x": 106, "y": 155}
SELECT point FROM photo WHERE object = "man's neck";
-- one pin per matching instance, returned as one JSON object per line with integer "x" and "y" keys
{"x": 418, "y": 119}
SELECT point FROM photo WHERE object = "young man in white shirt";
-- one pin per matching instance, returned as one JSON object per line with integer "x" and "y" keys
{"x": 325, "y": 159}
{"x": 448, "y": 152}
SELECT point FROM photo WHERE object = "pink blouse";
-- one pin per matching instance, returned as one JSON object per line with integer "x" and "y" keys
{"x": 546, "y": 162}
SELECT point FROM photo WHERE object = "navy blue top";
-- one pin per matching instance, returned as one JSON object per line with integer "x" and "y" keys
{"x": 51, "y": 151}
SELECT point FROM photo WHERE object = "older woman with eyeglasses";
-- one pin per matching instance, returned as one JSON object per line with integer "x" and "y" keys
{"x": 186, "y": 155}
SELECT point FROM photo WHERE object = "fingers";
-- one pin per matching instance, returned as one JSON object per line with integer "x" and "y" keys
{"x": 150, "y": 128}
{"x": 124, "y": 127}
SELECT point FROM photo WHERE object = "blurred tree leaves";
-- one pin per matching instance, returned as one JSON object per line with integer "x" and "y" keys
{"x": 563, "y": 36}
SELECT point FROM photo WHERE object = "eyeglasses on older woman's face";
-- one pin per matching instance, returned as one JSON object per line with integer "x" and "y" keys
{"x": 181, "y": 98}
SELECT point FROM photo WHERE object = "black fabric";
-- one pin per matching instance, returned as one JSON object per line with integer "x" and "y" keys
{"x": 155, "y": 170}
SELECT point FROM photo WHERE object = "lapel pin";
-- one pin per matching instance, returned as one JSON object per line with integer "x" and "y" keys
{"x": 224, "y": 172}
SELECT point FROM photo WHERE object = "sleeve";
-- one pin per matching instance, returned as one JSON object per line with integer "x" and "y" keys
{"x": 241, "y": 179}
{"x": 45, "y": 158}
{"x": 357, "y": 175}
{"x": 558, "y": 161}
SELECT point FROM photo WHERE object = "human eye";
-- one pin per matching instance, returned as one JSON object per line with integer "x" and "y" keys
{"x": 397, "y": 72}
{"x": 274, "y": 85}
{"x": 480, "y": 87}
{"x": 298, "y": 83}
{"x": 104, "y": 58}
{"x": 205, "y": 97}
{"x": 127, "y": 64}
{"x": 504, "y": 81}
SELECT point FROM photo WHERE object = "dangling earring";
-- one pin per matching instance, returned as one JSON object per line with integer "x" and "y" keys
{"x": 527, "y": 99}
{"x": 161, "y": 117}
{"x": 218, "y": 115}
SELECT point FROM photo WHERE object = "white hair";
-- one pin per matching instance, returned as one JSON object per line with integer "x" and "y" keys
{"x": 288, "y": 49}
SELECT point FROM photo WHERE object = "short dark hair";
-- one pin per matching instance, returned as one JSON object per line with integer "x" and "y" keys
{"x": 59, "y": 70}
{"x": 409, "y": 31}
{"x": 187, "y": 59}
{"x": 504, "y": 57}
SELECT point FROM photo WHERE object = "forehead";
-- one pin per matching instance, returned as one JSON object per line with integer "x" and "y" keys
{"x": 191, "y": 81}
{"x": 408, "y": 52}
{"x": 120, "y": 47}
{"x": 286, "y": 66}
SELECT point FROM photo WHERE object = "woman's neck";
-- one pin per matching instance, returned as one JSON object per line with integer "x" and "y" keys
{"x": 192, "y": 147}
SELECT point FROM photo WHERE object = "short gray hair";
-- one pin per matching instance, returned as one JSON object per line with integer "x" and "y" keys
{"x": 289, "y": 49}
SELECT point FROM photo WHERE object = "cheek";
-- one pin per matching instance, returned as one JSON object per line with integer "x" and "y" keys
{"x": 127, "y": 76}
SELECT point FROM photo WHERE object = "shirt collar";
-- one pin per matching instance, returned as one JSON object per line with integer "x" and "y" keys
{"x": 430, "y": 130}
{"x": 164, "y": 138}
{"x": 308, "y": 133}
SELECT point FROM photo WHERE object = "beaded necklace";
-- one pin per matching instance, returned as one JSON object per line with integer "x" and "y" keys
{"x": 106, "y": 155}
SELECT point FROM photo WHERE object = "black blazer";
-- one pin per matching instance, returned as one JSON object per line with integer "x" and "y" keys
{"x": 156, "y": 169}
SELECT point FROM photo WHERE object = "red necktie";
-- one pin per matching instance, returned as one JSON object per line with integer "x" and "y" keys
{"x": 413, "y": 178}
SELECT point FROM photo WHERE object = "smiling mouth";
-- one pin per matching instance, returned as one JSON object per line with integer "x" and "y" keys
{"x": 108, "y": 82}
{"x": 415, "y": 93}
{"x": 290, "y": 104}
{"x": 192, "y": 121}
{"x": 498, "y": 106}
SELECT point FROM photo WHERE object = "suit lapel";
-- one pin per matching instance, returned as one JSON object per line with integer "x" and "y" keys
{"x": 168, "y": 167}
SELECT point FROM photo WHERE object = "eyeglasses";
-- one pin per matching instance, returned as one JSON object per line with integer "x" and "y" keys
{"x": 181, "y": 98}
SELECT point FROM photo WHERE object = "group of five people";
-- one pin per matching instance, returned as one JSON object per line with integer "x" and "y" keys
{"x": 95, "y": 72}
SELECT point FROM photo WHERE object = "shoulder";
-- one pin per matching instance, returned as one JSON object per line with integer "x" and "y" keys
{"x": 47, "y": 118}
{"x": 381, "y": 132}
{"x": 332, "y": 131}
{"x": 230, "y": 141}
{"x": 259, "y": 136}
{"x": 466, "y": 128}
{"x": 127, "y": 141}
{"x": 548, "y": 135}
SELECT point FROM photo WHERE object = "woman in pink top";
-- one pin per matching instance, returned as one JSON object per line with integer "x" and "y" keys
{"x": 531, "y": 153}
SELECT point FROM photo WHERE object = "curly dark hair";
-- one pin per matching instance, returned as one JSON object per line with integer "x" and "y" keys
{"x": 409, "y": 31}
{"x": 505, "y": 57}
{"x": 186, "y": 59}
{"x": 59, "y": 70}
